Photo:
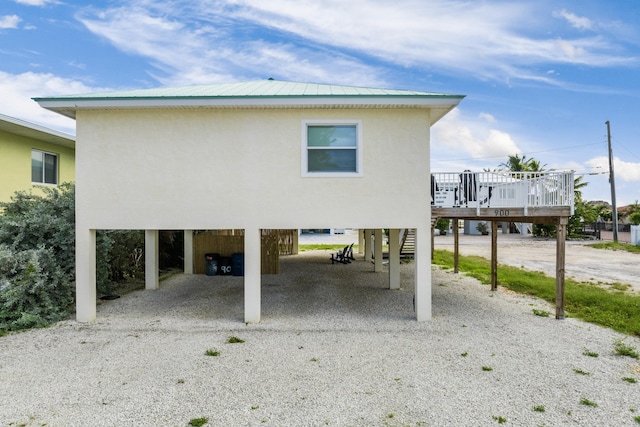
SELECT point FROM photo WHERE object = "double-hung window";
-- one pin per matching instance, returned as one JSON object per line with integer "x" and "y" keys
{"x": 332, "y": 148}
{"x": 44, "y": 167}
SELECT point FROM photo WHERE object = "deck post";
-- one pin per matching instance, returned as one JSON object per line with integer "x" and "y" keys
{"x": 456, "y": 244}
{"x": 561, "y": 237}
{"x": 494, "y": 256}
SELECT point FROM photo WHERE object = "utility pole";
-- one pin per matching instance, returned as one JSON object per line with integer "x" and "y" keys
{"x": 612, "y": 181}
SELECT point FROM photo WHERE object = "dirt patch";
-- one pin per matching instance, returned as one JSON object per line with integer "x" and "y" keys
{"x": 583, "y": 262}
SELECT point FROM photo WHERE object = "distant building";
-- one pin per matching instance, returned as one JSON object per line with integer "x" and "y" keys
{"x": 33, "y": 156}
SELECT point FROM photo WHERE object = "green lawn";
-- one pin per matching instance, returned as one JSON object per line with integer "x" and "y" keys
{"x": 618, "y": 310}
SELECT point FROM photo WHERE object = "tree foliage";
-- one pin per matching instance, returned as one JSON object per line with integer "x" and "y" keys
{"x": 515, "y": 163}
{"x": 37, "y": 257}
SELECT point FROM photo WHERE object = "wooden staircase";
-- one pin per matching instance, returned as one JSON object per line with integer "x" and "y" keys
{"x": 407, "y": 242}
{"x": 408, "y": 239}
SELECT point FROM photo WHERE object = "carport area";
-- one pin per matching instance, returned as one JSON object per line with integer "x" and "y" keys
{"x": 308, "y": 285}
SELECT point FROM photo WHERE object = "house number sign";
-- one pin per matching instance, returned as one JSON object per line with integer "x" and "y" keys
{"x": 502, "y": 212}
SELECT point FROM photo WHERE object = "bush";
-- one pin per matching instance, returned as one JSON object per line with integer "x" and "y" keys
{"x": 37, "y": 258}
{"x": 35, "y": 290}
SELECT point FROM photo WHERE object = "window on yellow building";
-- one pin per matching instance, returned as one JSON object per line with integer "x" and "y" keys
{"x": 44, "y": 167}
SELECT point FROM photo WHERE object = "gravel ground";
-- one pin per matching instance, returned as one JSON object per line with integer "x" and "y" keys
{"x": 582, "y": 262}
{"x": 334, "y": 348}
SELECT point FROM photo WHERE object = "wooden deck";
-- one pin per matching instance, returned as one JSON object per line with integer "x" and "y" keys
{"x": 531, "y": 197}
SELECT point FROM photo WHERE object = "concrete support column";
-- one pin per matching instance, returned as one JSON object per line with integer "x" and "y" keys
{"x": 252, "y": 285}
{"x": 394, "y": 258}
{"x": 296, "y": 243}
{"x": 151, "y": 259}
{"x": 423, "y": 273}
{"x": 377, "y": 251}
{"x": 367, "y": 244}
{"x": 360, "y": 241}
{"x": 188, "y": 251}
{"x": 85, "y": 274}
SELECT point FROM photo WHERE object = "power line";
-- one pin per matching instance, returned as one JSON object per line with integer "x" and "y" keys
{"x": 629, "y": 151}
{"x": 524, "y": 154}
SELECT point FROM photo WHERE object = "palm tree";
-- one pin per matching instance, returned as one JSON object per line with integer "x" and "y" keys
{"x": 515, "y": 163}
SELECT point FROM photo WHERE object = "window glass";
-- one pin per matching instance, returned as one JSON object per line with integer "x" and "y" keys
{"x": 44, "y": 167}
{"x": 37, "y": 166}
{"x": 332, "y": 148}
{"x": 331, "y": 136}
{"x": 50, "y": 169}
{"x": 332, "y": 161}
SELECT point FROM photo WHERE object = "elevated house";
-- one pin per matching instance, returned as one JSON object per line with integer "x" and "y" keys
{"x": 268, "y": 155}
{"x": 33, "y": 156}
{"x": 252, "y": 156}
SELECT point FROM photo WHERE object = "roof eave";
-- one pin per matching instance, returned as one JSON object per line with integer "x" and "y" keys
{"x": 69, "y": 106}
{"x": 32, "y": 130}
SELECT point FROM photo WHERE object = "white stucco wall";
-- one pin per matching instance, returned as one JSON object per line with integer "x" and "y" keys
{"x": 214, "y": 169}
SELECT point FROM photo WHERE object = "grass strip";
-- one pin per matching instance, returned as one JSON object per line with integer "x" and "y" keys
{"x": 585, "y": 301}
{"x": 616, "y": 246}
{"x": 323, "y": 247}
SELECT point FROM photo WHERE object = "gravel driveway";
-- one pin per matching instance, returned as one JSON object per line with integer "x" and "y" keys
{"x": 583, "y": 263}
{"x": 335, "y": 348}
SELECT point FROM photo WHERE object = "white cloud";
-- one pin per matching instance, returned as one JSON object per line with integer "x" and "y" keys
{"x": 9, "y": 21}
{"x": 488, "y": 117}
{"x": 472, "y": 37}
{"x": 18, "y": 89}
{"x": 199, "y": 41}
{"x": 463, "y": 142}
{"x": 36, "y": 2}
{"x": 579, "y": 22}
{"x": 208, "y": 53}
{"x": 622, "y": 170}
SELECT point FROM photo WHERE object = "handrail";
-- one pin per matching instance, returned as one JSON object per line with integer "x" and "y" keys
{"x": 502, "y": 189}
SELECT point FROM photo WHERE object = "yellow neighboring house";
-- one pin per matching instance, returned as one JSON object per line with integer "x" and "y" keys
{"x": 33, "y": 156}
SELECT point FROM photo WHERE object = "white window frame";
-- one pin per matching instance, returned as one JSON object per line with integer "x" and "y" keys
{"x": 338, "y": 122}
{"x": 43, "y": 153}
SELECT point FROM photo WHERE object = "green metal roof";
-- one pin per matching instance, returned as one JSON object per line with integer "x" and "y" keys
{"x": 255, "y": 94}
{"x": 253, "y": 89}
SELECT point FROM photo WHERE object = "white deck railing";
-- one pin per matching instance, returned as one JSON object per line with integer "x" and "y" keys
{"x": 502, "y": 189}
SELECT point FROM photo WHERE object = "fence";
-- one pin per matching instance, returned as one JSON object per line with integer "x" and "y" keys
{"x": 604, "y": 231}
{"x": 227, "y": 242}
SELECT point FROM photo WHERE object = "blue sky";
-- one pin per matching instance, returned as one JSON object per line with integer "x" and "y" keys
{"x": 541, "y": 77}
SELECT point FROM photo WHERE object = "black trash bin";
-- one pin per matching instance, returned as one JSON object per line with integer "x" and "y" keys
{"x": 238, "y": 264}
{"x": 224, "y": 266}
{"x": 211, "y": 264}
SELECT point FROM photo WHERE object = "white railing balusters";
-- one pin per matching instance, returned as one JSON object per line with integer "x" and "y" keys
{"x": 502, "y": 189}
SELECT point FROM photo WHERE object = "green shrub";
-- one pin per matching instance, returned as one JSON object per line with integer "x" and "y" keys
{"x": 37, "y": 257}
{"x": 34, "y": 289}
